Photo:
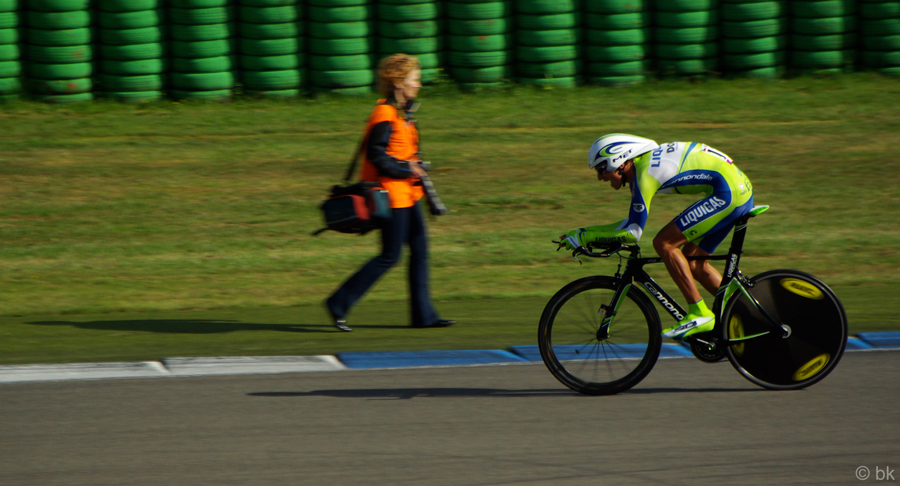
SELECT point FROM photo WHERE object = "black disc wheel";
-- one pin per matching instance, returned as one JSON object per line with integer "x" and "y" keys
{"x": 589, "y": 357}
{"x": 808, "y": 341}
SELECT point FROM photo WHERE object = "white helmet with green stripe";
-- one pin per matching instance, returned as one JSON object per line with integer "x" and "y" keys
{"x": 609, "y": 152}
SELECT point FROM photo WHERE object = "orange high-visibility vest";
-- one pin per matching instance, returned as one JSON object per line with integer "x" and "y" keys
{"x": 403, "y": 145}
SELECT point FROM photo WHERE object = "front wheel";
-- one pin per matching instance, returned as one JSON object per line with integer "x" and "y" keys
{"x": 596, "y": 361}
{"x": 809, "y": 342}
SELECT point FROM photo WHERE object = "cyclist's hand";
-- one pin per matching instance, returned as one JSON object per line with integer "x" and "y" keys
{"x": 572, "y": 240}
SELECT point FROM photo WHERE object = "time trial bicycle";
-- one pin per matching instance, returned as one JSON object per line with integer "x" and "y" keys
{"x": 782, "y": 329}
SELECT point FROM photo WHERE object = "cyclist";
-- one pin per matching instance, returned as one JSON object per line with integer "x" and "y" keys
{"x": 674, "y": 168}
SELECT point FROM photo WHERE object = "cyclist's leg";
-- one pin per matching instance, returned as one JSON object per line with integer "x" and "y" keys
{"x": 668, "y": 243}
{"x": 702, "y": 270}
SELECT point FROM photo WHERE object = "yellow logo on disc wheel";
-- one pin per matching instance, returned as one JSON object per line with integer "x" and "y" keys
{"x": 812, "y": 367}
{"x": 801, "y": 288}
{"x": 736, "y": 331}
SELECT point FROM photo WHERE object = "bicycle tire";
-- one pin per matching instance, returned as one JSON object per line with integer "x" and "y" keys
{"x": 814, "y": 345}
{"x": 567, "y": 337}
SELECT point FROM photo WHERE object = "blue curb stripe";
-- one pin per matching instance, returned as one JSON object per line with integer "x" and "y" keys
{"x": 404, "y": 359}
{"x": 854, "y": 344}
{"x": 532, "y": 353}
{"x": 881, "y": 340}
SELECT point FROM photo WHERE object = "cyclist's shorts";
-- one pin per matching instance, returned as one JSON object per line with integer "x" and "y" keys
{"x": 708, "y": 221}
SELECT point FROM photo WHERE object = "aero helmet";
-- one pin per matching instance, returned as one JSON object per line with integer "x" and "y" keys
{"x": 615, "y": 149}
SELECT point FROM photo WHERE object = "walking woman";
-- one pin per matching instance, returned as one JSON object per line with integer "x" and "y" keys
{"x": 391, "y": 157}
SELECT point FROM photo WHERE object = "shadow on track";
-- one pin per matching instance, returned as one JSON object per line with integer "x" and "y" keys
{"x": 408, "y": 393}
{"x": 187, "y": 326}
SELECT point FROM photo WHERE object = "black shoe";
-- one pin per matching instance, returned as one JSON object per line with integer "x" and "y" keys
{"x": 340, "y": 323}
{"x": 438, "y": 323}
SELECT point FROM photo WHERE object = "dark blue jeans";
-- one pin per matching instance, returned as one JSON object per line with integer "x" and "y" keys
{"x": 406, "y": 226}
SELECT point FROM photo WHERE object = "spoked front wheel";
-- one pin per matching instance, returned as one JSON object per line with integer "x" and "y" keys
{"x": 594, "y": 360}
{"x": 810, "y": 338}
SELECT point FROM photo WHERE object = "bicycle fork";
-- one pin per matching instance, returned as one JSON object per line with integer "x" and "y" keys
{"x": 609, "y": 312}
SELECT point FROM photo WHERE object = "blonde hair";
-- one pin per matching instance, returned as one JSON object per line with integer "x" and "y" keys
{"x": 393, "y": 69}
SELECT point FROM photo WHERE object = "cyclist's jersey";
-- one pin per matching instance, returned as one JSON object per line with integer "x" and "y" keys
{"x": 689, "y": 168}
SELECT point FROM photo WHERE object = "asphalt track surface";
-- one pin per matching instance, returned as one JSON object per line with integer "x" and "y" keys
{"x": 688, "y": 423}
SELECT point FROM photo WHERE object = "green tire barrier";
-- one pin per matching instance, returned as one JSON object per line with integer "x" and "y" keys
{"x": 204, "y": 65}
{"x": 491, "y": 74}
{"x": 756, "y": 28}
{"x": 11, "y": 69}
{"x": 479, "y": 27}
{"x": 269, "y": 31}
{"x": 687, "y": 67}
{"x": 59, "y": 71}
{"x": 9, "y": 52}
{"x": 881, "y": 27}
{"x": 607, "y": 54}
{"x": 408, "y": 13}
{"x": 271, "y": 57}
{"x": 59, "y": 49}
{"x": 617, "y": 6}
{"x": 686, "y": 5}
{"x": 130, "y": 20}
{"x": 284, "y": 93}
{"x": 569, "y": 20}
{"x": 745, "y": 62}
{"x": 132, "y": 5}
{"x": 139, "y": 67}
{"x": 747, "y": 12}
{"x": 696, "y": 35}
{"x": 617, "y": 81}
{"x": 340, "y": 30}
{"x": 822, "y": 8}
{"x": 402, "y": 30}
{"x": 10, "y": 86}
{"x": 618, "y": 37}
{"x": 133, "y": 97}
{"x": 881, "y": 42}
{"x": 150, "y": 82}
{"x": 60, "y": 54}
{"x": 823, "y": 26}
{"x": 200, "y": 16}
{"x": 755, "y": 45}
{"x": 823, "y": 42}
{"x": 357, "y": 13}
{"x": 822, "y": 59}
{"x": 342, "y": 63}
{"x": 546, "y": 7}
{"x": 214, "y": 95}
{"x": 58, "y": 37}
{"x": 145, "y": 35}
{"x": 562, "y": 83}
{"x": 478, "y": 11}
{"x": 270, "y": 63}
{"x": 563, "y": 69}
{"x": 885, "y": 10}
{"x": 9, "y": 36}
{"x": 686, "y": 20}
{"x": 65, "y": 98}
{"x": 60, "y": 86}
{"x": 268, "y": 15}
{"x": 9, "y": 20}
{"x": 480, "y": 59}
{"x": 56, "y": 20}
{"x": 560, "y": 37}
{"x": 132, "y": 52}
{"x": 687, "y": 51}
{"x": 619, "y": 21}
{"x": 288, "y": 79}
{"x": 194, "y": 33}
{"x": 343, "y": 42}
{"x": 609, "y": 69}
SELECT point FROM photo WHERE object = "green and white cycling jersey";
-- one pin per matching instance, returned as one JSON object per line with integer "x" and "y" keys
{"x": 684, "y": 168}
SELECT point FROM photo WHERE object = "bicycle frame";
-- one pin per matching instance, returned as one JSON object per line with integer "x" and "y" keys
{"x": 732, "y": 281}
